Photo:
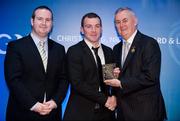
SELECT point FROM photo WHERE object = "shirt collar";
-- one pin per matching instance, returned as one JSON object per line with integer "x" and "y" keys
{"x": 36, "y": 39}
{"x": 90, "y": 45}
{"x": 131, "y": 38}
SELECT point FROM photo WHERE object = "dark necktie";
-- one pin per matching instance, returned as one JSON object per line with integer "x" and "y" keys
{"x": 99, "y": 68}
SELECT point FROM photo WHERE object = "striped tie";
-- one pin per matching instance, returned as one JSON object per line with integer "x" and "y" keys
{"x": 125, "y": 52}
{"x": 43, "y": 53}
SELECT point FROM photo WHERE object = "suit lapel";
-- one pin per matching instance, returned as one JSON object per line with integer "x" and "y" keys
{"x": 50, "y": 55}
{"x": 120, "y": 54}
{"x": 35, "y": 53}
{"x": 129, "y": 56}
{"x": 88, "y": 52}
{"x": 106, "y": 58}
{"x": 132, "y": 50}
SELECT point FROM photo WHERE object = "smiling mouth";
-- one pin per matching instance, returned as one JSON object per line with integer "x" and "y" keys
{"x": 123, "y": 30}
{"x": 93, "y": 35}
{"x": 43, "y": 27}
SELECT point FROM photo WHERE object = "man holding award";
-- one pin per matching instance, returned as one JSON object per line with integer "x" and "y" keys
{"x": 90, "y": 98}
{"x": 139, "y": 58}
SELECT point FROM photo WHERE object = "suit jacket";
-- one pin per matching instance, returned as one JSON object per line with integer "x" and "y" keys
{"x": 82, "y": 73}
{"x": 140, "y": 97}
{"x": 27, "y": 80}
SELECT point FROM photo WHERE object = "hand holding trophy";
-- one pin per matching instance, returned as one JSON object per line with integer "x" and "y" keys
{"x": 110, "y": 71}
{"x": 111, "y": 74}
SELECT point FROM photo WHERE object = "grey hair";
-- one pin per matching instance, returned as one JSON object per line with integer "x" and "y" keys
{"x": 124, "y": 8}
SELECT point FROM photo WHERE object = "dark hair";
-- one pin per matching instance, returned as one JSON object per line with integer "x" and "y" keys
{"x": 90, "y": 15}
{"x": 41, "y": 7}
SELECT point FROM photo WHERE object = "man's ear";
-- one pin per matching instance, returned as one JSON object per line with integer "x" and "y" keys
{"x": 135, "y": 21}
{"x": 32, "y": 21}
{"x": 82, "y": 30}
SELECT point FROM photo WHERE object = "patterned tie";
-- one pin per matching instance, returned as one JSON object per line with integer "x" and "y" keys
{"x": 125, "y": 52}
{"x": 43, "y": 53}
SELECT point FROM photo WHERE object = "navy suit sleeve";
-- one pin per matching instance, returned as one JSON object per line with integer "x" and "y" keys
{"x": 13, "y": 69}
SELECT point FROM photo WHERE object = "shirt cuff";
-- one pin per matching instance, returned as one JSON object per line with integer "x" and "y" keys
{"x": 33, "y": 107}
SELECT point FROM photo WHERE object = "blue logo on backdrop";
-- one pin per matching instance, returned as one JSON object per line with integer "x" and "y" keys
{"x": 4, "y": 39}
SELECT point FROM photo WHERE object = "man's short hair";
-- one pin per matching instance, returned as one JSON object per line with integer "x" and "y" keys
{"x": 90, "y": 15}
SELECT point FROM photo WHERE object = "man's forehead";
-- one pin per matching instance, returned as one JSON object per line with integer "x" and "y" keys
{"x": 124, "y": 14}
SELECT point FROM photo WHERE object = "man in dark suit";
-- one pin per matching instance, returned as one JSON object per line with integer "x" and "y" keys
{"x": 89, "y": 98}
{"x": 138, "y": 87}
{"x": 35, "y": 73}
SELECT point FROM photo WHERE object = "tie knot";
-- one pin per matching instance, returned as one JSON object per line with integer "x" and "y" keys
{"x": 125, "y": 43}
{"x": 41, "y": 43}
{"x": 95, "y": 50}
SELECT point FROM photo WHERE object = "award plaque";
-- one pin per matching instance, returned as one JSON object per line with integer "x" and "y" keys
{"x": 107, "y": 71}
